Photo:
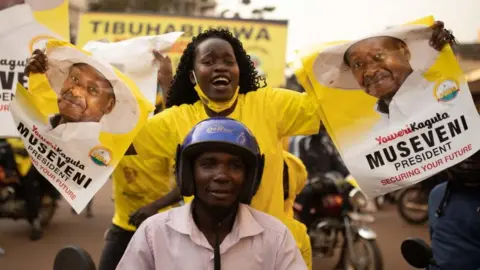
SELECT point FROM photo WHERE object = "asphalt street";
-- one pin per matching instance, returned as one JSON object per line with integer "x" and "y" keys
{"x": 71, "y": 229}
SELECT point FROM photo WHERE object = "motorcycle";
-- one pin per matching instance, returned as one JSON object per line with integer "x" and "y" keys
{"x": 381, "y": 200}
{"x": 417, "y": 253}
{"x": 413, "y": 201}
{"x": 12, "y": 201}
{"x": 336, "y": 217}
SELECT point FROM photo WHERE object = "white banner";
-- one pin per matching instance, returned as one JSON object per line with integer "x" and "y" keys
{"x": 134, "y": 58}
{"x": 398, "y": 110}
{"x": 77, "y": 120}
{"x": 20, "y": 34}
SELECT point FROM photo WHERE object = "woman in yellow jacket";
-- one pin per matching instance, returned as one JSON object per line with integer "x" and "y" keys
{"x": 294, "y": 179}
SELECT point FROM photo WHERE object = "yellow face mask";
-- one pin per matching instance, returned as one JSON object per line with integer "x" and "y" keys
{"x": 212, "y": 105}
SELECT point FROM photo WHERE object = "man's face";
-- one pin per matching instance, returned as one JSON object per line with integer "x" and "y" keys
{"x": 4, "y": 4}
{"x": 380, "y": 65}
{"x": 219, "y": 178}
{"x": 86, "y": 95}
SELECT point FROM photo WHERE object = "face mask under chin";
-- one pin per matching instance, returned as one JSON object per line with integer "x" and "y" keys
{"x": 213, "y": 105}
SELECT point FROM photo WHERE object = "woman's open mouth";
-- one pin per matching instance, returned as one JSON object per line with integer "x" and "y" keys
{"x": 221, "y": 82}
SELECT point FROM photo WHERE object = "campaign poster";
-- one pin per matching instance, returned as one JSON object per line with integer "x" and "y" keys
{"x": 398, "y": 110}
{"x": 77, "y": 120}
{"x": 25, "y": 26}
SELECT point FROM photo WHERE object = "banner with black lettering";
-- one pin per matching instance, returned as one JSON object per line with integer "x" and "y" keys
{"x": 25, "y": 26}
{"x": 264, "y": 40}
{"x": 398, "y": 110}
{"x": 77, "y": 119}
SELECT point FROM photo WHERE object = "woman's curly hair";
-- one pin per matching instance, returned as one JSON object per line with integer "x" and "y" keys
{"x": 182, "y": 91}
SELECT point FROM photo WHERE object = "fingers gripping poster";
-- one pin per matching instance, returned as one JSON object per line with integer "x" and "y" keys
{"x": 25, "y": 25}
{"x": 77, "y": 119}
{"x": 399, "y": 110}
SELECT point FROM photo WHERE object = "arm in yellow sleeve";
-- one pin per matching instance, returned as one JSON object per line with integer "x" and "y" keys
{"x": 296, "y": 113}
{"x": 299, "y": 232}
{"x": 157, "y": 138}
{"x": 297, "y": 177}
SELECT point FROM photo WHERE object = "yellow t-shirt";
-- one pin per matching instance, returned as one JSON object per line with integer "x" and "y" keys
{"x": 299, "y": 232}
{"x": 135, "y": 185}
{"x": 271, "y": 114}
{"x": 297, "y": 177}
{"x": 286, "y": 142}
{"x": 24, "y": 163}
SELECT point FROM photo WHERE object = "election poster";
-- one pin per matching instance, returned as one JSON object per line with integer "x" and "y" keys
{"x": 134, "y": 58}
{"x": 77, "y": 120}
{"x": 398, "y": 110}
{"x": 265, "y": 41}
{"x": 25, "y": 26}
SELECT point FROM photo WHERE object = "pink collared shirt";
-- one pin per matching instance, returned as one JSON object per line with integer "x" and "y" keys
{"x": 171, "y": 240}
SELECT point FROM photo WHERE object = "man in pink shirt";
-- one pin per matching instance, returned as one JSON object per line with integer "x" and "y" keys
{"x": 220, "y": 163}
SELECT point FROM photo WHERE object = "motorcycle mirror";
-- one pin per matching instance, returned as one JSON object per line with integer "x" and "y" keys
{"x": 417, "y": 253}
{"x": 73, "y": 258}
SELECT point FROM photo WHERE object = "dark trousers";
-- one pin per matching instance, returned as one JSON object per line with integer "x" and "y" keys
{"x": 29, "y": 185}
{"x": 116, "y": 243}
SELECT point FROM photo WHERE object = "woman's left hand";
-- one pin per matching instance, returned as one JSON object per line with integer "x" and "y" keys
{"x": 441, "y": 36}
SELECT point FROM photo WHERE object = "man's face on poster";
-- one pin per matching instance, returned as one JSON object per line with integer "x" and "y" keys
{"x": 4, "y": 4}
{"x": 86, "y": 95}
{"x": 380, "y": 65}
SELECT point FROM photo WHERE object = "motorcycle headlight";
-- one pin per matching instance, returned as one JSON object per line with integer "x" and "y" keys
{"x": 358, "y": 199}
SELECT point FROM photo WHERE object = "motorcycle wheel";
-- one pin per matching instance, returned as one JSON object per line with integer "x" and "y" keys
{"x": 380, "y": 202}
{"x": 373, "y": 256}
{"x": 47, "y": 211}
{"x": 403, "y": 210}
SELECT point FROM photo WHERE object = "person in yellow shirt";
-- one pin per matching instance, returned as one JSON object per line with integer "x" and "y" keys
{"x": 294, "y": 178}
{"x": 299, "y": 232}
{"x": 215, "y": 77}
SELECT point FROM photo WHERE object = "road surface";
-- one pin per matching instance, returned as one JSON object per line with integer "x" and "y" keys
{"x": 72, "y": 229}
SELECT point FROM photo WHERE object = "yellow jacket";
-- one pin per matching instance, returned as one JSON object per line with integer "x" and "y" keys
{"x": 24, "y": 163}
{"x": 299, "y": 232}
{"x": 297, "y": 177}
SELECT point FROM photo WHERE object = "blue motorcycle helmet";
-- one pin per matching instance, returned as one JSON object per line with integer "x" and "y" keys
{"x": 225, "y": 135}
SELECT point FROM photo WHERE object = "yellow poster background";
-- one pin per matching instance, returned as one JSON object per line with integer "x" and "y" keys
{"x": 57, "y": 19}
{"x": 265, "y": 41}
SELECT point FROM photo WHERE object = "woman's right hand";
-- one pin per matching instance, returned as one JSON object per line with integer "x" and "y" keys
{"x": 37, "y": 63}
